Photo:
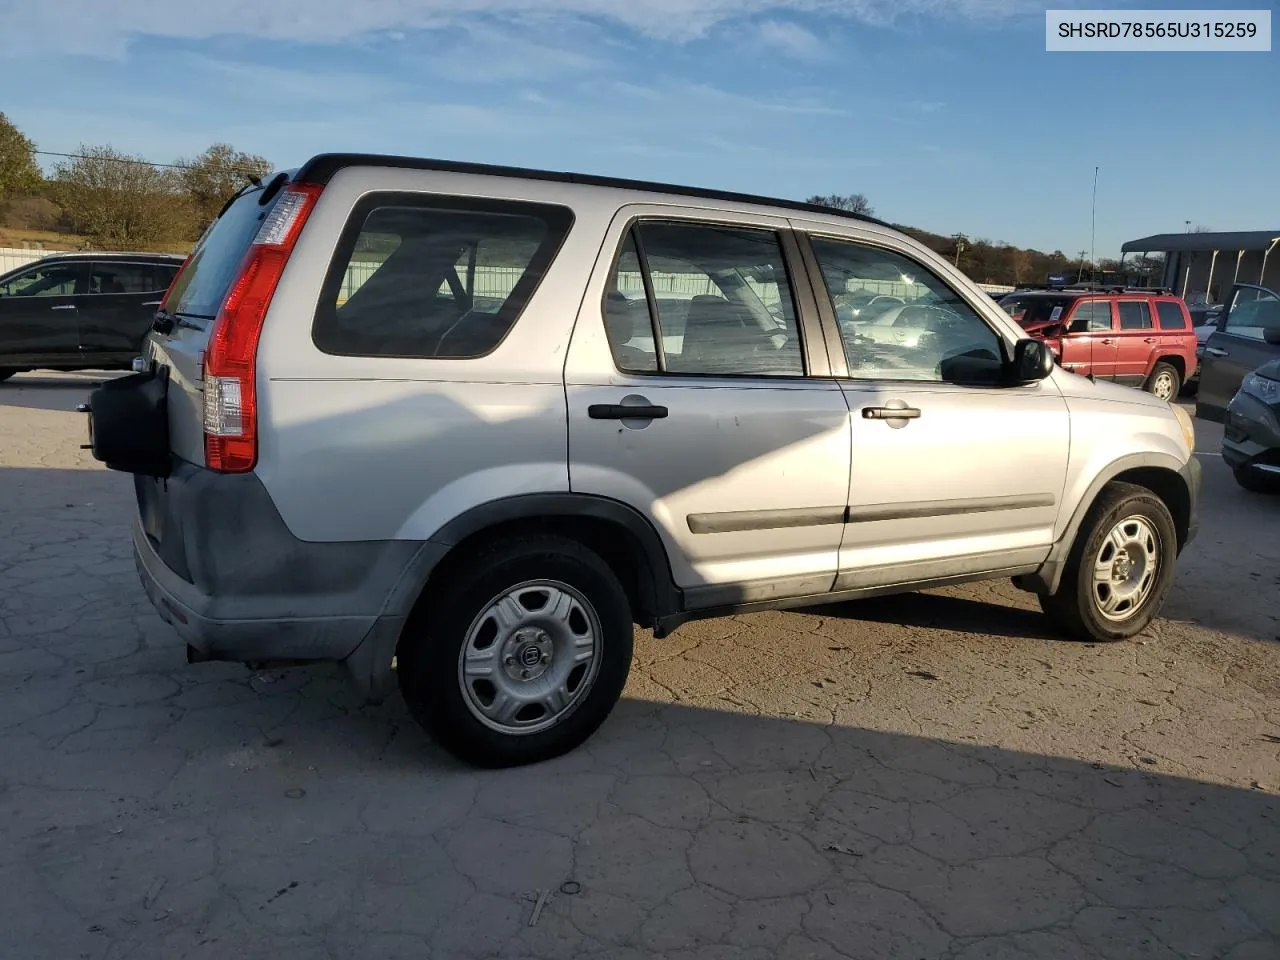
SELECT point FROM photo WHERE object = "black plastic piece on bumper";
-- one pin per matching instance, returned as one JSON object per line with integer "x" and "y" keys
{"x": 129, "y": 424}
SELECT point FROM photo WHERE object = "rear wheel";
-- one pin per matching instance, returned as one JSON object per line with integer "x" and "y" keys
{"x": 1164, "y": 382}
{"x": 1255, "y": 481}
{"x": 1120, "y": 567}
{"x": 520, "y": 654}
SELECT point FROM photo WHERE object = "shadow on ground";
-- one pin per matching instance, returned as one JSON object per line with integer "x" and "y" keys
{"x": 945, "y": 612}
{"x": 150, "y": 816}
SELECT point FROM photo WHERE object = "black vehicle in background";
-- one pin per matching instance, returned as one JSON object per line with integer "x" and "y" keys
{"x": 1246, "y": 336}
{"x": 1251, "y": 435}
{"x": 80, "y": 311}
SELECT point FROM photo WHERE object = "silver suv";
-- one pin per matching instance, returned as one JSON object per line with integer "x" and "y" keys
{"x": 465, "y": 425}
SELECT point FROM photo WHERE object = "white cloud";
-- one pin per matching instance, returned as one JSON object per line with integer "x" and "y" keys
{"x": 95, "y": 27}
{"x": 790, "y": 39}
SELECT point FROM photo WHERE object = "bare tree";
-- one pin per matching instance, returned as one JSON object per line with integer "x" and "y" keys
{"x": 212, "y": 178}
{"x": 122, "y": 202}
{"x": 853, "y": 203}
{"x": 18, "y": 168}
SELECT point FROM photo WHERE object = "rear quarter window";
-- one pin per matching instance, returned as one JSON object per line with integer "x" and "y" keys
{"x": 1171, "y": 316}
{"x": 433, "y": 277}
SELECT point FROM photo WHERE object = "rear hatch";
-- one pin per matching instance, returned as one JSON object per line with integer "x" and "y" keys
{"x": 186, "y": 318}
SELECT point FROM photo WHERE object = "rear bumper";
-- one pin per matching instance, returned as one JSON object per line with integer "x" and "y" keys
{"x": 219, "y": 565}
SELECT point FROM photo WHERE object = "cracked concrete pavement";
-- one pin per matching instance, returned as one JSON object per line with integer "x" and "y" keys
{"x": 929, "y": 777}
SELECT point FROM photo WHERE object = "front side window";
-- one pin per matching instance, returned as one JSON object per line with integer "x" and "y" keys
{"x": 717, "y": 298}
{"x": 1134, "y": 315}
{"x": 435, "y": 277}
{"x": 51, "y": 280}
{"x": 1170, "y": 315}
{"x": 1091, "y": 316}
{"x": 933, "y": 335}
{"x": 1253, "y": 311}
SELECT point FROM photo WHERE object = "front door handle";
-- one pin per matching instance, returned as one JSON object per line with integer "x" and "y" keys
{"x": 890, "y": 413}
{"x": 626, "y": 411}
{"x": 1150, "y": 340}
{"x": 63, "y": 306}
{"x": 1215, "y": 352}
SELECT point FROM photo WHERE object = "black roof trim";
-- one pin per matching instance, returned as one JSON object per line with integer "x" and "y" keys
{"x": 105, "y": 255}
{"x": 320, "y": 169}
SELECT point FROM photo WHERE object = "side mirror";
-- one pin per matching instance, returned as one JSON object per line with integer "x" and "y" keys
{"x": 1271, "y": 335}
{"x": 1032, "y": 361}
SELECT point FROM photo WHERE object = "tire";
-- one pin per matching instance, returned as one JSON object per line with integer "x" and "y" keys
{"x": 1165, "y": 382}
{"x": 530, "y": 576}
{"x": 1256, "y": 482}
{"x": 1140, "y": 522}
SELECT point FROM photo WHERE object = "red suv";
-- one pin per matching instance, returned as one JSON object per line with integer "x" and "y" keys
{"x": 1136, "y": 337}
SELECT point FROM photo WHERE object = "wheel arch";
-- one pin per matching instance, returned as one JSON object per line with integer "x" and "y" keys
{"x": 622, "y": 536}
{"x": 1173, "y": 482}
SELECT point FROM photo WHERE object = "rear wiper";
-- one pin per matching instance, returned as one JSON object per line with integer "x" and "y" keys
{"x": 164, "y": 322}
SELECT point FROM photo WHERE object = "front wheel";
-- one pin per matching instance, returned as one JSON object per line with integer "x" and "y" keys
{"x": 1164, "y": 382}
{"x": 1255, "y": 481}
{"x": 520, "y": 654}
{"x": 1120, "y": 567}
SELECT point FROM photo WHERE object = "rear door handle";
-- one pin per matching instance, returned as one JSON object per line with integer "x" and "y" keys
{"x": 620, "y": 411}
{"x": 1150, "y": 339}
{"x": 1107, "y": 342}
{"x": 1216, "y": 352}
{"x": 890, "y": 413}
{"x": 63, "y": 306}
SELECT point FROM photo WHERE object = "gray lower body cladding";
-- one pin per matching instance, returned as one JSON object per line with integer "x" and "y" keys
{"x": 219, "y": 564}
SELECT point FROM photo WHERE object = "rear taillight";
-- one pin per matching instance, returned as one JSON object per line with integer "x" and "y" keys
{"x": 230, "y": 362}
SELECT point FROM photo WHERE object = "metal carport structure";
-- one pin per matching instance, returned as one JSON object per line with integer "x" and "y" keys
{"x": 1191, "y": 263}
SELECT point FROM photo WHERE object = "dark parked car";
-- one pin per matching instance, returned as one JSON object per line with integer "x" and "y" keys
{"x": 80, "y": 311}
{"x": 1247, "y": 336}
{"x": 1251, "y": 437}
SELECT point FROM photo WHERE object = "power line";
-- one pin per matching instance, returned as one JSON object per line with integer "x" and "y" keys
{"x": 145, "y": 163}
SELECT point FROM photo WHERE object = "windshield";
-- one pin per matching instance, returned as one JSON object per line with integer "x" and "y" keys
{"x": 1036, "y": 310}
{"x": 203, "y": 284}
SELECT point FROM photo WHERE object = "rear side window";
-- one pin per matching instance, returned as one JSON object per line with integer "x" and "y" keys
{"x": 721, "y": 303}
{"x": 1170, "y": 315}
{"x": 110, "y": 277}
{"x": 216, "y": 259}
{"x": 1134, "y": 315}
{"x": 430, "y": 277}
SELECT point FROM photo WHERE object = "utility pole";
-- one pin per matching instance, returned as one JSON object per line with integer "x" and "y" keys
{"x": 960, "y": 239}
{"x": 1080, "y": 275}
{"x": 1093, "y": 227}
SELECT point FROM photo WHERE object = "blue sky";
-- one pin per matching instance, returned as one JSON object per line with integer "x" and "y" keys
{"x": 948, "y": 114}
